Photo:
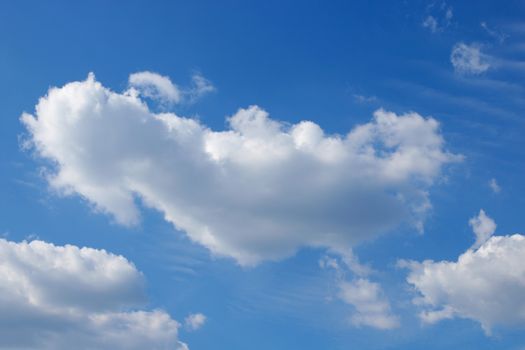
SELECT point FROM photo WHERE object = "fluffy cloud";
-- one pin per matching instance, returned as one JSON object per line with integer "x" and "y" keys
{"x": 259, "y": 190}
{"x": 65, "y": 297}
{"x": 486, "y": 284}
{"x": 370, "y": 306}
{"x": 483, "y": 227}
{"x": 155, "y": 86}
{"x": 200, "y": 87}
{"x": 195, "y": 321}
{"x": 161, "y": 88}
{"x": 468, "y": 59}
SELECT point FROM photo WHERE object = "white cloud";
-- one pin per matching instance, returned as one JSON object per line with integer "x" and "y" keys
{"x": 259, "y": 190}
{"x": 494, "y": 186}
{"x": 496, "y": 34}
{"x": 195, "y": 321}
{"x": 485, "y": 284}
{"x": 65, "y": 297}
{"x": 431, "y": 23}
{"x": 163, "y": 90}
{"x": 200, "y": 87}
{"x": 483, "y": 227}
{"x": 155, "y": 86}
{"x": 371, "y": 307}
{"x": 468, "y": 59}
{"x": 439, "y": 19}
{"x": 364, "y": 99}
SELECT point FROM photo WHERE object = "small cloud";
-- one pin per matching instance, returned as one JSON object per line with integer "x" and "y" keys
{"x": 496, "y": 34}
{"x": 194, "y": 321}
{"x": 431, "y": 23}
{"x": 494, "y": 186}
{"x": 483, "y": 227}
{"x": 327, "y": 262}
{"x": 439, "y": 18}
{"x": 468, "y": 59}
{"x": 162, "y": 89}
{"x": 200, "y": 87}
{"x": 372, "y": 309}
{"x": 364, "y": 99}
{"x": 370, "y": 306}
{"x": 155, "y": 86}
{"x": 449, "y": 14}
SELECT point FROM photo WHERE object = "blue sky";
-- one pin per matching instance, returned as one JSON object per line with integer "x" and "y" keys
{"x": 281, "y": 236}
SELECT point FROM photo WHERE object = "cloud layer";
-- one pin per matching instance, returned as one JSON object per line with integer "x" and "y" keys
{"x": 259, "y": 190}
{"x": 65, "y": 297}
{"x": 486, "y": 284}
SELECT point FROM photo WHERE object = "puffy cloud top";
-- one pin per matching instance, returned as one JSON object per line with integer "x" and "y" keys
{"x": 486, "y": 284}
{"x": 65, "y": 297}
{"x": 259, "y": 190}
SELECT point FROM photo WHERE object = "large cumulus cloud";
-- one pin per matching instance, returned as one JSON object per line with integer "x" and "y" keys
{"x": 65, "y": 297}
{"x": 258, "y": 190}
{"x": 485, "y": 284}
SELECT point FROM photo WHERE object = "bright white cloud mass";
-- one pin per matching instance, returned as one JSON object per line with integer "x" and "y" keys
{"x": 65, "y": 297}
{"x": 259, "y": 190}
{"x": 486, "y": 284}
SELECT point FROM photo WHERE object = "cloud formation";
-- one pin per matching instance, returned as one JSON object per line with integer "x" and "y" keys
{"x": 372, "y": 309}
{"x": 494, "y": 186}
{"x": 370, "y": 306}
{"x": 195, "y": 321}
{"x": 65, "y": 297}
{"x": 440, "y": 17}
{"x": 468, "y": 59}
{"x": 155, "y": 86}
{"x": 162, "y": 89}
{"x": 259, "y": 190}
{"x": 486, "y": 284}
{"x": 483, "y": 227}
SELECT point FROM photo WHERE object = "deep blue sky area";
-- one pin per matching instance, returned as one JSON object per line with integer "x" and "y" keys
{"x": 333, "y": 63}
